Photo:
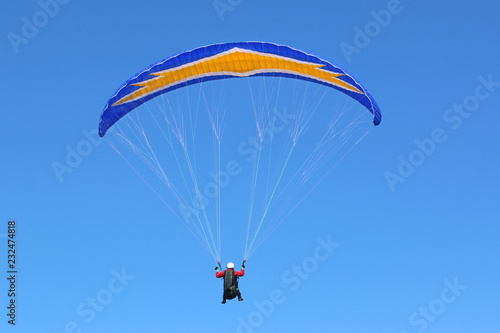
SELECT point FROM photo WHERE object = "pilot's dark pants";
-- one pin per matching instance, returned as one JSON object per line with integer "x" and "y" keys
{"x": 238, "y": 294}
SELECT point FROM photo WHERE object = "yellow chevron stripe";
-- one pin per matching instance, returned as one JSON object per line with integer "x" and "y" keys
{"x": 237, "y": 62}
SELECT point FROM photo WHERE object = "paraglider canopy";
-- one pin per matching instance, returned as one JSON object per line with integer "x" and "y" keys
{"x": 230, "y": 60}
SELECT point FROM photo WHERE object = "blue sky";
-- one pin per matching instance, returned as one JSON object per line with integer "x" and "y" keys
{"x": 415, "y": 244}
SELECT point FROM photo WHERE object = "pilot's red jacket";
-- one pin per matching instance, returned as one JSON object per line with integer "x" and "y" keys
{"x": 236, "y": 273}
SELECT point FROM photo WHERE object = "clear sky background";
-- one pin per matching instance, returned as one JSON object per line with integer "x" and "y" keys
{"x": 417, "y": 253}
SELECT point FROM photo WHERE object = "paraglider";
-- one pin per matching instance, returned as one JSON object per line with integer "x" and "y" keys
{"x": 292, "y": 138}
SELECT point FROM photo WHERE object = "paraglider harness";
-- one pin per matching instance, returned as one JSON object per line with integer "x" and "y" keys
{"x": 230, "y": 282}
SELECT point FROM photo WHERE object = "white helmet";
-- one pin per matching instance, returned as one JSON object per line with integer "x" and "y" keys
{"x": 230, "y": 265}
